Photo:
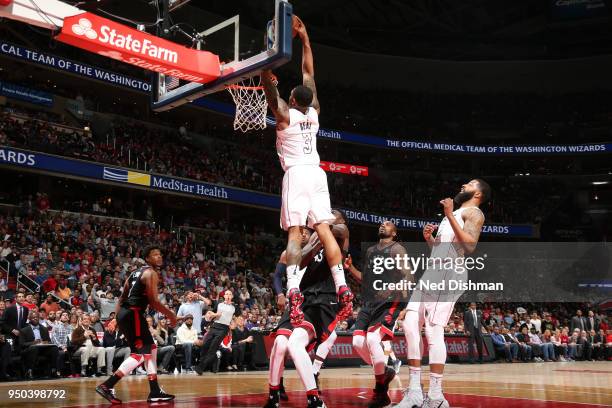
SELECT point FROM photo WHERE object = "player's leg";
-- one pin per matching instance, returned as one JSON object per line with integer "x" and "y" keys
{"x": 321, "y": 354}
{"x": 383, "y": 374}
{"x": 395, "y": 362}
{"x": 413, "y": 321}
{"x": 277, "y": 366}
{"x": 359, "y": 334}
{"x": 156, "y": 393}
{"x": 126, "y": 322}
{"x": 437, "y": 359}
{"x": 299, "y": 340}
{"x": 320, "y": 216}
{"x": 295, "y": 205}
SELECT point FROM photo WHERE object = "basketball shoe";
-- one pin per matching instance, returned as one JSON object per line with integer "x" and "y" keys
{"x": 345, "y": 302}
{"x": 273, "y": 399}
{"x": 438, "y": 403}
{"x": 412, "y": 399}
{"x": 315, "y": 402}
{"x": 108, "y": 393}
{"x": 296, "y": 315}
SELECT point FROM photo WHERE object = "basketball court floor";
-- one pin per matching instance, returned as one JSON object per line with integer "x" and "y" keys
{"x": 540, "y": 385}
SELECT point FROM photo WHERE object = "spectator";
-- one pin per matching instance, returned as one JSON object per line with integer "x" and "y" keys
{"x": 165, "y": 350}
{"x": 114, "y": 346}
{"x": 599, "y": 345}
{"x": 90, "y": 306}
{"x": 587, "y": 346}
{"x": 524, "y": 348}
{"x": 87, "y": 345}
{"x": 106, "y": 304}
{"x": 573, "y": 346}
{"x": 194, "y": 305}
{"x": 29, "y": 302}
{"x": 578, "y": 322}
{"x": 50, "y": 305}
{"x": 34, "y": 342}
{"x": 592, "y": 323}
{"x": 224, "y": 354}
{"x": 508, "y": 348}
{"x": 95, "y": 322}
{"x": 187, "y": 338}
{"x": 3, "y": 286}
{"x": 609, "y": 345}
{"x": 5, "y": 346}
{"x": 548, "y": 348}
{"x": 241, "y": 339}
{"x": 535, "y": 342}
{"x": 63, "y": 292}
{"x": 60, "y": 337}
{"x": 536, "y": 322}
{"x": 547, "y": 323}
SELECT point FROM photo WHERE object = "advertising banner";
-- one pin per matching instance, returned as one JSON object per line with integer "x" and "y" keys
{"x": 111, "y": 39}
{"x": 97, "y": 171}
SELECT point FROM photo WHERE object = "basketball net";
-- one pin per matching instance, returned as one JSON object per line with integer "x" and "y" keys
{"x": 251, "y": 104}
{"x": 249, "y": 96}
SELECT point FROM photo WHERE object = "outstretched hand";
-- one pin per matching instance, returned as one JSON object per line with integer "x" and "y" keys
{"x": 299, "y": 28}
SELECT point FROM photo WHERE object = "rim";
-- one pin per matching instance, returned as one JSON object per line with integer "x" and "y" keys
{"x": 246, "y": 88}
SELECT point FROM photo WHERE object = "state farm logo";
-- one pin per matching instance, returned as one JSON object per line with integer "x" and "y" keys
{"x": 127, "y": 42}
{"x": 84, "y": 28}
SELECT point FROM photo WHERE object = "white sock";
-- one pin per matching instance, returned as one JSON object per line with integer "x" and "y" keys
{"x": 294, "y": 277}
{"x": 415, "y": 378}
{"x": 435, "y": 386}
{"x": 338, "y": 275}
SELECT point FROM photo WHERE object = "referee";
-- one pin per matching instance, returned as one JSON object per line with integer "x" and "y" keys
{"x": 218, "y": 330}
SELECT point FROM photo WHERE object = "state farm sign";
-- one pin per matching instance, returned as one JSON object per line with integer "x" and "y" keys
{"x": 113, "y": 40}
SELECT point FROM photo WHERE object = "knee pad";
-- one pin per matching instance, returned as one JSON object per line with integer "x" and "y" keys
{"x": 435, "y": 340}
{"x": 412, "y": 330}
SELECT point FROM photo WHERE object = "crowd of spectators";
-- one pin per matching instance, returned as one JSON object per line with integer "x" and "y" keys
{"x": 247, "y": 165}
{"x": 74, "y": 266}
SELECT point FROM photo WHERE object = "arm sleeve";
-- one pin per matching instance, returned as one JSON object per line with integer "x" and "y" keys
{"x": 281, "y": 269}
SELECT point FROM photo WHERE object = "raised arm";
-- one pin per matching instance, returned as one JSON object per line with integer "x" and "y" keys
{"x": 473, "y": 220}
{"x": 277, "y": 105}
{"x": 308, "y": 64}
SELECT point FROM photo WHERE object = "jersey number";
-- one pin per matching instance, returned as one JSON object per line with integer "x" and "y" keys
{"x": 307, "y": 136}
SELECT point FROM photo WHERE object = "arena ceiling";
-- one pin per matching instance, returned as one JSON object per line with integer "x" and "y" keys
{"x": 438, "y": 29}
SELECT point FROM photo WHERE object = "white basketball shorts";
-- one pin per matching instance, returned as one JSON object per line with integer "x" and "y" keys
{"x": 305, "y": 199}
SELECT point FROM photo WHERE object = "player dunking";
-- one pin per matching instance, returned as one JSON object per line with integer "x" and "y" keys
{"x": 458, "y": 234}
{"x": 376, "y": 319}
{"x": 305, "y": 195}
{"x": 139, "y": 291}
{"x": 320, "y": 318}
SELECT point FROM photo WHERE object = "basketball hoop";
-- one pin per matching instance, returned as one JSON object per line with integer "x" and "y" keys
{"x": 251, "y": 104}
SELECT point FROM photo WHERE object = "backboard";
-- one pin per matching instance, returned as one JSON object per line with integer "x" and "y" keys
{"x": 244, "y": 52}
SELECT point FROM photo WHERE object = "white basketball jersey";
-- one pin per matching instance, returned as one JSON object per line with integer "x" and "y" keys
{"x": 297, "y": 144}
{"x": 446, "y": 234}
